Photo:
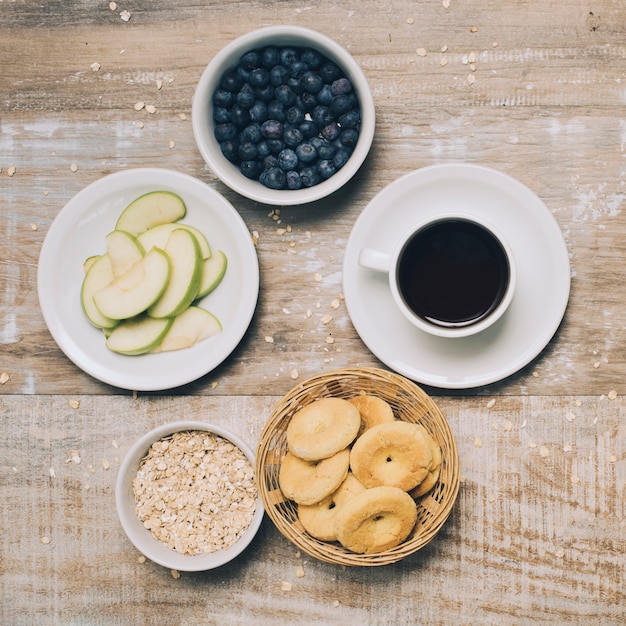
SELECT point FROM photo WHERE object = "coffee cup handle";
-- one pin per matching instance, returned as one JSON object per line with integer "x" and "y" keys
{"x": 375, "y": 260}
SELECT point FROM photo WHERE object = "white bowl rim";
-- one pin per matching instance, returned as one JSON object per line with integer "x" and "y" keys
{"x": 227, "y": 172}
{"x": 142, "y": 538}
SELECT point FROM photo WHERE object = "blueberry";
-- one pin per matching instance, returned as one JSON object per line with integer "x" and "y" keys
{"x": 276, "y": 111}
{"x": 308, "y": 128}
{"x": 259, "y": 77}
{"x": 331, "y": 131}
{"x": 308, "y": 101}
{"x": 223, "y": 98}
{"x": 326, "y": 168}
{"x": 341, "y": 86}
{"x": 272, "y": 129}
{"x": 342, "y": 104}
{"x": 285, "y": 95}
{"x": 250, "y": 60}
{"x": 294, "y": 116}
{"x": 306, "y": 152}
{"x": 322, "y": 116}
{"x": 252, "y": 133}
{"x": 309, "y": 176}
{"x": 269, "y": 162}
{"x": 295, "y": 84}
{"x": 341, "y": 158}
{"x": 312, "y": 58}
{"x": 225, "y": 132}
{"x": 221, "y": 115}
{"x": 312, "y": 82}
{"x": 258, "y": 111}
{"x": 288, "y": 56}
{"x": 349, "y": 137}
{"x": 287, "y": 160}
{"x": 326, "y": 151}
{"x": 297, "y": 68}
{"x": 330, "y": 72}
{"x": 239, "y": 115}
{"x": 325, "y": 95}
{"x": 270, "y": 57}
{"x": 265, "y": 94}
{"x": 229, "y": 150}
{"x": 292, "y": 137}
{"x": 278, "y": 75}
{"x": 231, "y": 81}
{"x": 263, "y": 149}
{"x": 293, "y": 180}
{"x": 350, "y": 119}
{"x": 274, "y": 178}
{"x": 276, "y": 145}
{"x": 247, "y": 151}
{"x": 246, "y": 96}
{"x": 251, "y": 169}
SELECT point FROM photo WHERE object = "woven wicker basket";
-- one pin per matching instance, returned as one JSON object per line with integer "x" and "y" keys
{"x": 410, "y": 404}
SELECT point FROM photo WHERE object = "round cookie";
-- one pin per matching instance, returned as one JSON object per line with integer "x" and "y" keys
{"x": 433, "y": 472}
{"x": 322, "y": 428}
{"x": 377, "y": 519}
{"x": 308, "y": 482}
{"x": 319, "y": 519}
{"x": 395, "y": 454}
{"x": 373, "y": 410}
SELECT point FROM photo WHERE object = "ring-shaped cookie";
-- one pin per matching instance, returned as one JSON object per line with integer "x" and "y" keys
{"x": 308, "y": 482}
{"x": 319, "y": 519}
{"x": 395, "y": 454}
{"x": 377, "y": 519}
{"x": 322, "y": 428}
{"x": 433, "y": 471}
{"x": 373, "y": 410}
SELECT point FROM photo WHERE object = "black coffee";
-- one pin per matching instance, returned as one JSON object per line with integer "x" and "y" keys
{"x": 453, "y": 273}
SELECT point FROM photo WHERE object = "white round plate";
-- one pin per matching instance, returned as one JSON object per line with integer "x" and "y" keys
{"x": 543, "y": 281}
{"x": 79, "y": 231}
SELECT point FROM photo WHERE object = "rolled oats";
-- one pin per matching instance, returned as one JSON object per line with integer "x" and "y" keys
{"x": 195, "y": 492}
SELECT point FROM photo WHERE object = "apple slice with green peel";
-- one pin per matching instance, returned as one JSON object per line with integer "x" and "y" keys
{"x": 124, "y": 251}
{"x": 157, "y": 236}
{"x": 99, "y": 274}
{"x": 151, "y": 209}
{"x": 182, "y": 288}
{"x": 138, "y": 335}
{"x": 191, "y": 326}
{"x": 133, "y": 292}
{"x": 213, "y": 270}
{"x": 89, "y": 261}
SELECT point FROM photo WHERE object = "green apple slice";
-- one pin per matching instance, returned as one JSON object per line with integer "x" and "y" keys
{"x": 99, "y": 274}
{"x": 191, "y": 326}
{"x": 213, "y": 270}
{"x": 124, "y": 251}
{"x": 89, "y": 261}
{"x": 138, "y": 335}
{"x": 133, "y": 292}
{"x": 182, "y": 288}
{"x": 151, "y": 209}
{"x": 157, "y": 236}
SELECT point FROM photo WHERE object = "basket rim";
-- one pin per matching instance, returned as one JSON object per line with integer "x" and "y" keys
{"x": 435, "y": 507}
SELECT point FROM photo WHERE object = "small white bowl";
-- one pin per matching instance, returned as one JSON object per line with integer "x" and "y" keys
{"x": 203, "y": 125}
{"x": 142, "y": 538}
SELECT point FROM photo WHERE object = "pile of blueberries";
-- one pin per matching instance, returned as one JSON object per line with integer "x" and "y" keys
{"x": 287, "y": 116}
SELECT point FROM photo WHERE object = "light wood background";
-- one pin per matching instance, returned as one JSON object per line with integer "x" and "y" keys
{"x": 538, "y": 534}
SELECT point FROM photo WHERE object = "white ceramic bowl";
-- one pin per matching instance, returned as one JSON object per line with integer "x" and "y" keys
{"x": 142, "y": 538}
{"x": 203, "y": 125}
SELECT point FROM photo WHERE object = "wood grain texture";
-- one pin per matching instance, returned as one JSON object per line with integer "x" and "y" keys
{"x": 539, "y": 530}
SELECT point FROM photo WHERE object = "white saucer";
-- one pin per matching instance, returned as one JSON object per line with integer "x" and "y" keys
{"x": 543, "y": 281}
{"x": 79, "y": 231}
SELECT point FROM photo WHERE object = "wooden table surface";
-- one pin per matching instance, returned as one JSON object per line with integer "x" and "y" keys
{"x": 536, "y": 89}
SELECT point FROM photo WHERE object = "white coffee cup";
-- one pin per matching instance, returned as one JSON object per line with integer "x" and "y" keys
{"x": 452, "y": 275}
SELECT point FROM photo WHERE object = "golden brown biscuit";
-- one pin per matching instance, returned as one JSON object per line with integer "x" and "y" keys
{"x": 433, "y": 471}
{"x": 373, "y": 410}
{"x": 322, "y": 428}
{"x": 319, "y": 519}
{"x": 308, "y": 482}
{"x": 377, "y": 519}
{"x": 396, "y": 454}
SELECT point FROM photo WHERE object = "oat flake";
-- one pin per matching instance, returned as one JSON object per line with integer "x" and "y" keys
{"x": 4, "y": 378}
{"x": 612, "y": 394}
{"x": 125, "y": 16}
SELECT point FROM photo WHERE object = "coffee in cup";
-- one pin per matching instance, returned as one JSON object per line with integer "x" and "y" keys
{"x": 452, "y": 275}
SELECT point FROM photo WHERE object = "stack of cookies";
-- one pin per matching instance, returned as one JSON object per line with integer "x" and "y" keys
{"x": 354, "y": 471}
